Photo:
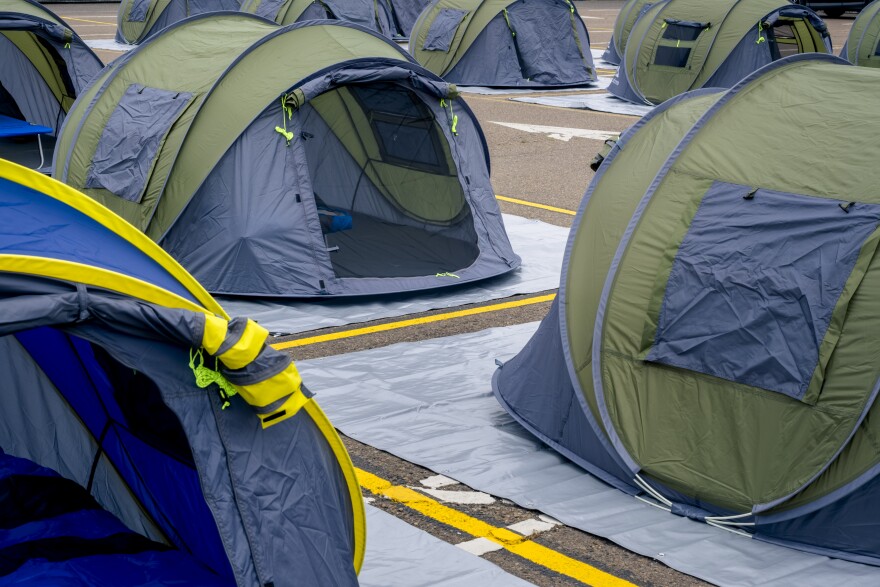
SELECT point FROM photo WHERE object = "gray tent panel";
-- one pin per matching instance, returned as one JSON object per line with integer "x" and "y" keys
{"x": 549, "y": 52}
{"x": 501, "y": 69}
{"x": 766, "y": 331}
{"x": 443, "y": 29}
{"x": 269, "y": 8}
{"x": 27, "y": 87}
{"x": 134, "y": 133}
{"x": 139, "y": 10}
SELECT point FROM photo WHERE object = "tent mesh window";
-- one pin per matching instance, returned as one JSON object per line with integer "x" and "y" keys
{"x": 385, "y": 182}
{"x": 677, "y": 42}
{"x": 784, "y": 40}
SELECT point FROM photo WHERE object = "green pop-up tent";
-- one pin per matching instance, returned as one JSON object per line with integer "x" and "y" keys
{"x": 44, "y": 65}
{"x": 716, "y": 341}
{"x": 681, "y": 45}
{"x": 314, "y": 159}
{"x": 863, "y": 43}
{"x": 504, "y": 43}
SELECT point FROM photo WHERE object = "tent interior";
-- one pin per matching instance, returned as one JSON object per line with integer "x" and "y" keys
{"x": 386, "y": 185}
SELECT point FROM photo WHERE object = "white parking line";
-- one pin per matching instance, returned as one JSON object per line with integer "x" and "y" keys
{"x": 560, "y": 133}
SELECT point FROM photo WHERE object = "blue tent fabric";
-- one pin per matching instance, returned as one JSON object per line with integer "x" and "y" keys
{"x": 61, "y": 536}
{"x": 34, "y": 224}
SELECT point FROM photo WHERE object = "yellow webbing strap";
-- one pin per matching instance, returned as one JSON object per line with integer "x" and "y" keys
{"x": 215, "y": 333}
{"x": 246, "y": 348}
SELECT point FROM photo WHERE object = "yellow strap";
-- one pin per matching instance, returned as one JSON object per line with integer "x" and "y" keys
{"x": 215, "y": 333}
{"x": 245, "y": 348}
{"x": 287, "y": 410}
{"x": 270, "y": 390}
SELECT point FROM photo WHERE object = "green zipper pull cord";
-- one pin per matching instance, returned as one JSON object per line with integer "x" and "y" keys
{"x": 506, "y": 18}
{"x": 205, "y": 377}
{"x": 761, "y": 38}
{"x": 286, "y": 113}
{"x": 447, "y": 274}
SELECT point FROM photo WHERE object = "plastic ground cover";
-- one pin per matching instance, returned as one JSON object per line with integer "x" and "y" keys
{"x": 540, "y": 245}
{"x": 600, "y": 102}
{"x": 401, "y": 555}
{"x": 431, "y": 403}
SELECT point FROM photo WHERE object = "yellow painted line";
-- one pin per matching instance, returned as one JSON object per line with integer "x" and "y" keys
{"x": 536, "y": 205}
{"x": 413, "y": 322}
{"x": 88, "y": 21}
{"x": 509, "y": 540}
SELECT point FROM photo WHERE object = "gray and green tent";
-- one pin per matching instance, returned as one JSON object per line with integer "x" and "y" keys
{"x": 626, "y": 19}
{"x": 863, "y": 44}
{"x": 44, "y": 65}
{"x": 504, "y": 43}
{"x": 138, "y": 19}
{"x": 715, "y": 344}
{"x": 377, "y": 15}
{"x": 681, "y": 45}
{"x": 124, "y": 376}
{"x": 310, "y": 160}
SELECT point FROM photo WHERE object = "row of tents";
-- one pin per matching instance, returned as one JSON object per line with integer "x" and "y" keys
{"x": 732, "y": 383}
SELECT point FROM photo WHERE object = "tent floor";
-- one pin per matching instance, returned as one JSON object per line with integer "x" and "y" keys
{"x": 373, "y": 248}
{"x": 25, "y": 151}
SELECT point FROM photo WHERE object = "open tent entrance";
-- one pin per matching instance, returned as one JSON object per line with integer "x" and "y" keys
{"x": 385, "y": 182}
{"x": 115, "y": 437}
{"x": 792, "y": 35}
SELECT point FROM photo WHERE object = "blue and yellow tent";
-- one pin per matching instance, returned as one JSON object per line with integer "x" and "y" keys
{"x": 124, "y": 375}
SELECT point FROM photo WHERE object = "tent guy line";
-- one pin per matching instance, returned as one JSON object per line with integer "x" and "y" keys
{"x": 509, "y": 540}
{"x": 411, "y": 322}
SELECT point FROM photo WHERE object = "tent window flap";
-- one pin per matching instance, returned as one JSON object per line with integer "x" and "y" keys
{"x": 443, "y": 29}
{"x": 135, "y": 131}
{"x": 672, "y": 56}
{"x": 770, "y": 269}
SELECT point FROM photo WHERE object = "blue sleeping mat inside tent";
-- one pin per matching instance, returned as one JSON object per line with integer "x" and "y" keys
{"x": 52, "y": 532}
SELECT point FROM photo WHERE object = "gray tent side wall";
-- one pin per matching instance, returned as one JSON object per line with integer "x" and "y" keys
{"x": 27, "y": 87}
{"x": 178, "y": 10}
{"x": 543, "y": 53}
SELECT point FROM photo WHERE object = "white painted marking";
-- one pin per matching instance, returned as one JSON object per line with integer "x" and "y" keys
{"x": 529, "y": 527}
{"x": 479, "y": 546}
{"x": 560, "y": 133}
{"x": 438, "y": 481}
{"x": 459, "y": 497}
{"x": 549, "y": 520}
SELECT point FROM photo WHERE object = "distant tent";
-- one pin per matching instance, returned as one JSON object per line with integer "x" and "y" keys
{"x": 504, "y": 43}
{"x": 44, "y": 65}
{"x": 117, "y": 367}
{"x": 138, "y": 19}
{"x": 349, "y": 171}
{"x": 715, "y": 345}
{"x": 405, "y": 13}
{"x": 863, "y": 44}
{"x": 681, "y": 45}
{"x": 626, "y": 19}
{"x": 376, "y": 15}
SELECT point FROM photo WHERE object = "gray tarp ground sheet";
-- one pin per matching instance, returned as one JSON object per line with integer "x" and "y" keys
{"x": 431, "y": 403}
{"x": 108, "y": 45}
{"x": 600, "y": 102}
{"x": 400, "y": 555}
{"x": 540, "y": 245}
{"x": 601, "y": 84}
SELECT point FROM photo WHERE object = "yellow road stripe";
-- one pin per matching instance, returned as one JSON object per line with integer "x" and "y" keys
{"x": 88, "y": 21}
{"x": 511, "y": 541}
{"x": 413, "y": 322}
{"x": 536, "y": 205}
